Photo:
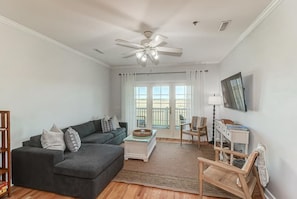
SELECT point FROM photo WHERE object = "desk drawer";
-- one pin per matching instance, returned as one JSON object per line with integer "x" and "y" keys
{"x": 240, "y": 137}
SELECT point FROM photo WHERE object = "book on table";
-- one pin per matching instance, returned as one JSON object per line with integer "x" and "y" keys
{"x": 236, "y": 127}
{"x": 3, "y": 187}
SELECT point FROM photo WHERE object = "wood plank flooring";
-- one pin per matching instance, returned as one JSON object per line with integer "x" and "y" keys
{"x": 115, "y": 190}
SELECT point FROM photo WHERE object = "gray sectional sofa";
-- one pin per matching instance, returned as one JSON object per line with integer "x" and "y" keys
{"x": 82, "y": 174}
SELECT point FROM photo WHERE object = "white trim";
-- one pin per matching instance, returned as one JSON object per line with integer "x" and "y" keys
{"x": 9, "y": 22}
{"x": 269, "y": 195}
{"x": 258, "y": 20}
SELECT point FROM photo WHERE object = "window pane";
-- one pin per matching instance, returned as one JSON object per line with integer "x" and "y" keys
{"x": 141, "y": 106}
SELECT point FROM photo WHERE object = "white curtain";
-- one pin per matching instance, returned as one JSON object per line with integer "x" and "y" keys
{"x": 128, "y": 100}
{"x": 196, "y": 84}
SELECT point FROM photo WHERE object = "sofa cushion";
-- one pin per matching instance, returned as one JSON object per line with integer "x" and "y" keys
{"x": 99, "y": 138}
{"x": 85, "y": 129}
{"x": 72, "y": 140}
{"x": 89, "y": 161}
{"x": 118, "y": 131}
{"x": 35, "y": 141}
{"x": 97, "y": 124}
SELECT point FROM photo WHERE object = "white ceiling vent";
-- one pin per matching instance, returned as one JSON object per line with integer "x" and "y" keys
{"x": 224, "y": 25}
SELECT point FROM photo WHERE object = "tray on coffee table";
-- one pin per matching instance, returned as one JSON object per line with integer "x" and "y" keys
{"x": 142, "y": 132}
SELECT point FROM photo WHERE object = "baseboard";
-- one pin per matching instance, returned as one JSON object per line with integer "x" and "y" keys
{"x": 269, "y": 195}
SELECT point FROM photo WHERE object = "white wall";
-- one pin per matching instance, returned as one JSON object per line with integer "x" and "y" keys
{"x": 42, "y": 83}
{"x": 267, "y": 59}
{"x": 211, "y": 85}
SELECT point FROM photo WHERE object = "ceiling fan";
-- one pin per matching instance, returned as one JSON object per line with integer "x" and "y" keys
{"x": 149, "y": 48}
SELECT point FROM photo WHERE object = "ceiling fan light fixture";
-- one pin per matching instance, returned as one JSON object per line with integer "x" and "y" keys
{"x": 144, "y": 58}
{"x": 153, "y": 52}
{"x": 139, "y": 55}
{"x": 149, "y": 48}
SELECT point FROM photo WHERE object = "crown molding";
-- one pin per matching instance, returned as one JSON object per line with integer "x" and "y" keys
{"x": 265, "y": 13}
{"x": 11, "y": 23}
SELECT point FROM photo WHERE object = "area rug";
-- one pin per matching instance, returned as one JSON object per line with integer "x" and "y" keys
{"x": 171, "y": 166}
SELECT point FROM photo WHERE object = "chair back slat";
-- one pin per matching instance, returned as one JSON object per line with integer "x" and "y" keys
{"x": 194, "y": 124}
{"x": 198, "y": 122}
{"x": 202, "y": 121}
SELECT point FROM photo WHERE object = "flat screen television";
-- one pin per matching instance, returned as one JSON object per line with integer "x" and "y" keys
{"x": 233, "y": 92}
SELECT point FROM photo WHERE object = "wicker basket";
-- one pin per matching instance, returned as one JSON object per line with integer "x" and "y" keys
{"x": 142, "y": 132}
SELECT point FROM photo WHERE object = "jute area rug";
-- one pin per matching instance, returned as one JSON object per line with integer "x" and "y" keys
{"x": 171, "y": 166}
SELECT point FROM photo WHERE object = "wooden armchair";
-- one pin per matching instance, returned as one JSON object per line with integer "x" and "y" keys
{"x": 196, "y": 128}
{"x": 240, "y": 182}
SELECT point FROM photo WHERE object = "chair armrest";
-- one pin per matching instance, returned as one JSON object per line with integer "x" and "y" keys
{"x": 202, "y": 127}
{"x": 184, "y": 124}
{"x": 124, "y": 125}
{"x": 235, "y": 153}
{"x": 220, "y": 165}
{"x": 33, "y": 166}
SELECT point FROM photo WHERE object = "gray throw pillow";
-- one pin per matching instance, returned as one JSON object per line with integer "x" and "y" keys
{"x": 72, "y": 140}
{"x": 52, "y": 140}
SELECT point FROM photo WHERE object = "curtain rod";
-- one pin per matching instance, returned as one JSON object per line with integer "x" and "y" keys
{"x": 157, "y": 73}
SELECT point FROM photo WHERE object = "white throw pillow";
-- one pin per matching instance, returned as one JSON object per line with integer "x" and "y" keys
{"x": 52, "y": 140}
{"x": 106, "y": 117}
{"x": 72, "y": 140}
{"x": 56, "y": 129}
{"x": 115, "y": 122}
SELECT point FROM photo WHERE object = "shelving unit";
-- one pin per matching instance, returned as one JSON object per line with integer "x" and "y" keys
{"x": 5, "y": 168}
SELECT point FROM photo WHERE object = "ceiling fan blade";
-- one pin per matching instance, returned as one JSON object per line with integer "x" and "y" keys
{"x": 129, "y": 44}
{"x": 168, "y": 50}
{"x": 157, "y": 40}
{"x": 131, "y": 53}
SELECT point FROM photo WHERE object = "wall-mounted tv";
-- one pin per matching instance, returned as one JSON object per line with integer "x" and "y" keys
{"x": 233, "y": 92}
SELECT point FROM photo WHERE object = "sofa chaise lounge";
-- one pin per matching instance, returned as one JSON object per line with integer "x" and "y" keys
{"x": 83, "y": 174}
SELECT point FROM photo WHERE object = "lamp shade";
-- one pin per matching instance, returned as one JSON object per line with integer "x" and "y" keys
{"x": 214, "y": 100}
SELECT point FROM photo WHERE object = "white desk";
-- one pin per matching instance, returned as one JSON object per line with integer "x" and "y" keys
{"x": 233, "y": 136}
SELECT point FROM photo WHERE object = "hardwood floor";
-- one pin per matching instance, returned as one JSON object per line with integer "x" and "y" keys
{"x": 115, "y": 190}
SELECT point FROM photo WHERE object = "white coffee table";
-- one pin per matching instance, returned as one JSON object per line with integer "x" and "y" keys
{"x": 140, "y": 147}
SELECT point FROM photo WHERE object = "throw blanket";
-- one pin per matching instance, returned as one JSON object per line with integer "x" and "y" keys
{"x": 262, "y": 169}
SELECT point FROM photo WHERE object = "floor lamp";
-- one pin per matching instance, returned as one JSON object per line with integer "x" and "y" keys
{"x": 214, "y": 100}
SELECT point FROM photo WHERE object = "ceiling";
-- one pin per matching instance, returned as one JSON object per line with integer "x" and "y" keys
{"x": 85, "y": 25}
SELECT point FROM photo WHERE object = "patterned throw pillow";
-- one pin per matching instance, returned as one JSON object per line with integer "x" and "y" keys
{"x": 106, "y": 125}
{"x": 72, "y": 140}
